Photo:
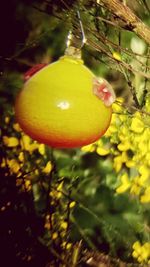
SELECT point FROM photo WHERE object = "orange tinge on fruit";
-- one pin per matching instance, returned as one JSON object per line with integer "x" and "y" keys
{"x": 57, "y": 106}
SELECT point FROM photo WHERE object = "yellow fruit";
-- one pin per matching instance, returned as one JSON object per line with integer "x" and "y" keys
{"x": 57, "y": 106}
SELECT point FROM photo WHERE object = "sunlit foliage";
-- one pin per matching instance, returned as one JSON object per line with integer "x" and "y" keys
{"x": 86, "y": 206}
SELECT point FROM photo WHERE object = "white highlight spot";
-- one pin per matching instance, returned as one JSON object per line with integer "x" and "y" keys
{"x": 63, "y": 105}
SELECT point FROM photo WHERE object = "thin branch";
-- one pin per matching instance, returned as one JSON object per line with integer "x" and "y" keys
{"x": 103, "y": 48}
{"x": 124, "y": 64}
{"x": 82, "y": 233}
{"x": 146, "y": 6}
{"x": 142, "y": 111}
{"x": 131, "y": 21}
{"x": 125, "y": 50}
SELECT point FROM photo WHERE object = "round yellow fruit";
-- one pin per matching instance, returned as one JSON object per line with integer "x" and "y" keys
{"x": 57, "y": 106}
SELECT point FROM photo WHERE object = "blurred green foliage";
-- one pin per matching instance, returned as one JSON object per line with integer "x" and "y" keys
{"x": 51, "y": 200}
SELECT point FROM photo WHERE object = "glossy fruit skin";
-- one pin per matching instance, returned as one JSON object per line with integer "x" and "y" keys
{"x": 57, "y": 106}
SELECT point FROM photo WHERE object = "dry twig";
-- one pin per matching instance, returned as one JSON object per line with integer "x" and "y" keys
{"x": 131, "y": 21}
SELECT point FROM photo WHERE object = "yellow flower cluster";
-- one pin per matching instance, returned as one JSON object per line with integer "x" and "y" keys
{"x": 19, "y": 147}
{"x": 58, "y": 228}
{"x": 57, "y": 225}
{"x": 141, "y": 252}
{"x": 128, "y": 141}
{"x": 27, "y": 161}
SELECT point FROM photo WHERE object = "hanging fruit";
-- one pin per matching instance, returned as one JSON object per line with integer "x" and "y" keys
{"x": 64, "y": 105}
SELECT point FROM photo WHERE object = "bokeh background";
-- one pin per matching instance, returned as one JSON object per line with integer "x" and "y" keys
{"x": 86, "y": 206}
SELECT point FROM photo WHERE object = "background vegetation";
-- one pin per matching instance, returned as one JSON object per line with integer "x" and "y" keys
{"x": 88, "y": 206}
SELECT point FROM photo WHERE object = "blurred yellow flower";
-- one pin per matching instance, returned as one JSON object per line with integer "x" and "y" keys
{"x": 118, "y": 163}
{"x": 119, "y": 160}
{"x": 13, "y": 165}
{"x": 16, "y": 127}
{"x": 111, "y": 130}
{"x": 19, "y": 174}
{"x": 10, "y": 141}
{"x": 117, "y": 56}
{"x": 146, "y": 196}
{"x": 64, "y": 225}
{"x": 125, "y": 184}
{"x": 21, "y": 156}
{"x": 145, "y": 173}
{"x": 66, "y": 245}
{"x": 137, "y": 125}
{"x": 102, "y": 151}
{"x": 88, "y": 148}
{"x": 7, "y": 119}
{"x": 27, "y": 144}
{"x": 124, "y": 134}
{"x": 57, "y": 193}
{"x": 47, "y": 169}
{"x": 141, "y": 252}
{"x": 130, "y": 163}
{"x": 136, "y": 185}
{"x": 147, "y": 157}
{"x": 124, "y": 146}
{"x": 59, "y": 189}
{"x": 36, "y": 172}
{"x": 41, "y": 149}
{"x": 47, "y": 222}
{"x": 117, "y": 105}
{"x": 3, "y": 163}
{"x": 72, "y": 204}
{"x": 28, "y": 186}
{"x": 54, "y": 235}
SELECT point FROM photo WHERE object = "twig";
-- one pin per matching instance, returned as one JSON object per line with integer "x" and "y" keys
{"x": 81, "y": 231}
{"x": 124, "y": 64}
{"x": 145, "y": 85}
{"x": 132, "y": 22}
{"x": 146, "y": 6}
{"x": 132, "y": 107}
{"x": 125, "y": 50}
